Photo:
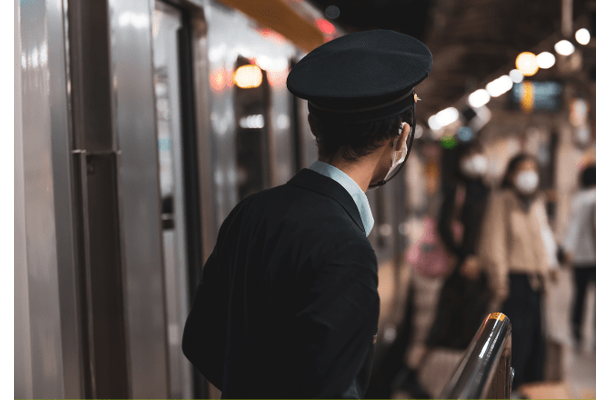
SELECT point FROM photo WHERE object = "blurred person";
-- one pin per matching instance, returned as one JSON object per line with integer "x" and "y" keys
{"x": 579, "y": 247}
{"x": 463, "y": 297}
{"x": 288, "y": 305}
{"x": 516, "y": 248}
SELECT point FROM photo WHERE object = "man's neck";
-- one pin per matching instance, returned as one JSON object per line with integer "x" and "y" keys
{"x": 361, "y": 171}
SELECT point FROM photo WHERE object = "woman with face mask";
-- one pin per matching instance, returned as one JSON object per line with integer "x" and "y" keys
{"x": 463, "y": 297}
{"x": 515, "y": 248}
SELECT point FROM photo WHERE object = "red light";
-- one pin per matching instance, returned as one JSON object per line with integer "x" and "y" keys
{"x": 325, "y": 26}
{"x": 217, "y": 80}
{"x": 272, "y": 35}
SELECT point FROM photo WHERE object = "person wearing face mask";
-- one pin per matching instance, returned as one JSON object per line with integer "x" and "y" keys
{"x": 288, "y": 304}
{"x": 517, "y": 248}
{"x": 464, "y": 296}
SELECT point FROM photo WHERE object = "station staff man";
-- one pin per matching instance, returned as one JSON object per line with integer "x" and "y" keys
{"x": 288, "y": 304}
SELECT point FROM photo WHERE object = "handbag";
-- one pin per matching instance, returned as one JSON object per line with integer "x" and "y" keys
{"x": 427, "y": 256}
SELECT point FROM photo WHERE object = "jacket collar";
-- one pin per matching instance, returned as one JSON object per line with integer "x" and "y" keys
{"x": 311, "y": 180}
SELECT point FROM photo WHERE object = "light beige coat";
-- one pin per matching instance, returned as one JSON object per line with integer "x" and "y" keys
{"x": 511, "y": 241}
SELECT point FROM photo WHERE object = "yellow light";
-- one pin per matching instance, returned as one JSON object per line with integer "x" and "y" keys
{"x": 248, "y": 76}
{"x": 527, "y": 101}
{"x": 527, "y": 64}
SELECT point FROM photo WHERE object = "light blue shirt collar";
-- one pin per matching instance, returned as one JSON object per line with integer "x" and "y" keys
{"x": 362, "y": 202}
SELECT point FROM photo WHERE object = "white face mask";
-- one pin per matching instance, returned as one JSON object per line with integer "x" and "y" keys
{"x": 398, "y": 156}
{"x": 474, "y": 166}
{"x": 526, "y": 182}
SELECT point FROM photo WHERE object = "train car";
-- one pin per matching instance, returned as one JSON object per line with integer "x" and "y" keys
{"x": 146, "y": 122}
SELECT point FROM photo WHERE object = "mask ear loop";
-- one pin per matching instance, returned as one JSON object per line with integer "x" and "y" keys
{"x": 410, "y": 138}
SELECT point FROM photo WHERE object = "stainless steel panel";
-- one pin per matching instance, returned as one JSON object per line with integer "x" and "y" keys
{"x": 222, "y": 56}
{"x": 134, "y": 102}
{"x": 37, "y": 24}
{"x": 104, "y": 278}
{"x": 103, "y": 347}
{"x": 23, "y": 350}
{"x": 90, "y": 75}
{"x": 204, "y": 134}
{"x": 204, "y": 152}
{"x": 283, "y": 153}
{"x": 167, "y": 23}
{"x": 62, "y": 174}
{"x": 84, "y": 274}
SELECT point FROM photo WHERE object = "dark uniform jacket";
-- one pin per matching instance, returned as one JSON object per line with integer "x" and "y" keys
{"x": 288, "y": 304}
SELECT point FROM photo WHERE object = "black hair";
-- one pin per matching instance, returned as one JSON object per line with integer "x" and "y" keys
{"x": 512, "y": 167}
{"x": 352, "y": 141}
{"x": 587, "y": 177}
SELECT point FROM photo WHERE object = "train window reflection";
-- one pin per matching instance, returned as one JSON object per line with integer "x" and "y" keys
{"x": 252, "y": 136}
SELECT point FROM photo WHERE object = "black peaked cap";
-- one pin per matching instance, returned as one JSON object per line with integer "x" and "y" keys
{"x": 361, "y": 77}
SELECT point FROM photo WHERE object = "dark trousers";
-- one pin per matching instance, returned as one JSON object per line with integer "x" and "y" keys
{"x": 524, "y": 309}
{"x": 582, "y": 277}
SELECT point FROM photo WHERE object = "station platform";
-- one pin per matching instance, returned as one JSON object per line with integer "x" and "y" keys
{"x": 573, "y": 377}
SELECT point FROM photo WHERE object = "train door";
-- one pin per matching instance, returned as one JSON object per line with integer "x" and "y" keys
{"x": 158, "y": 64}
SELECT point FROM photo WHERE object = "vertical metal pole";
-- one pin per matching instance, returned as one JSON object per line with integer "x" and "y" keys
{"x": 23, "y": 347}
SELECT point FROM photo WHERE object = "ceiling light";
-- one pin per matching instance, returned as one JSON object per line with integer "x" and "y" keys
{"x": 479, "y": 98}
{"x": 325, "y": 26}
{"x": 583, "y": 36}
{"x": 499, "y": 86}
{"x": 434, "y": 124}
{"x": 545, "y": 60}
{"x": 527, "y": 64}
{"x": 248, "y": 76}
{"x": 516, "y": 76}
{"x": 447, "y": 116}
{"x": 564, "y": 47}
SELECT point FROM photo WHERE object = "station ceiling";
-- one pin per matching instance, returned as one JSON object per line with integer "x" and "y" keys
{"x": 470, "y": 40}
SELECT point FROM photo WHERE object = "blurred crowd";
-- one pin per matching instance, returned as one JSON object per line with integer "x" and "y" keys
{"x": 491, "y": 248}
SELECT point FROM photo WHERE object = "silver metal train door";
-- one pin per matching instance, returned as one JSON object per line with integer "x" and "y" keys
{"x": 159, "y": 139}
{"x": 177, "y": 179}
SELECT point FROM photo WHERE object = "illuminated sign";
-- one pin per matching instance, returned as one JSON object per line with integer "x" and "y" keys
{"x": 537, "y": 96}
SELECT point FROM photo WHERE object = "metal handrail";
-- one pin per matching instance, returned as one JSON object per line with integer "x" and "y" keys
{"x": 485, "y": 368}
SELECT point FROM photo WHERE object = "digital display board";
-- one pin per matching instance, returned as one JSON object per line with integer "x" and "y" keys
{"x": 537, "y": 96}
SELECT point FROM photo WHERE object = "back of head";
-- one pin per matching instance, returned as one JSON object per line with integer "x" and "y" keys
{"x": 359, "y": 88}
{"x": 352, "y": 141}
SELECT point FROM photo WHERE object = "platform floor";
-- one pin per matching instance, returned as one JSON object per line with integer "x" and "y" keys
{"x": 577, "y": 368}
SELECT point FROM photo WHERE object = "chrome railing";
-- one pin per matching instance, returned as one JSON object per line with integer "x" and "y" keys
{"x": 485, "y": 370}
